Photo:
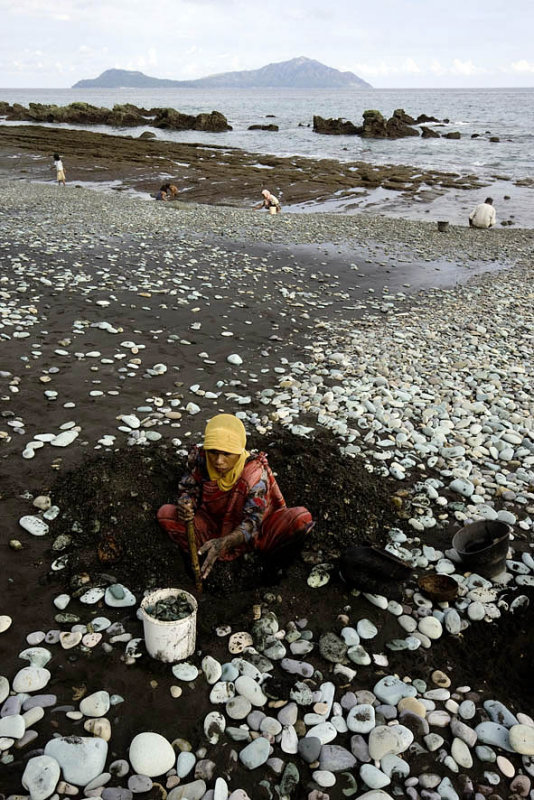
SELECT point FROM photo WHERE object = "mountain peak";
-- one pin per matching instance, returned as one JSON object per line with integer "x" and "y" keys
{"x": 297, "y": 73}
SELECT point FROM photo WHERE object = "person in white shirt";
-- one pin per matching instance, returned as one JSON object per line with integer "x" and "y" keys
{"x": 60, "y": 172}
{"x": 270, "y": 202}
{"x": 483, "y": 216}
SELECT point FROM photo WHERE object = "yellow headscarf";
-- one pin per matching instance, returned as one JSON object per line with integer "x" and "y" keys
{"x": 226, "y": 433}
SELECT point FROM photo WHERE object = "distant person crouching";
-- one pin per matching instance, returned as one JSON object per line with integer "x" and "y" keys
{"x": 270, "y": 202}
{"x": 160, "y": 195}
{"x": 170, "y": 190}
{"x": 60, "y": 172}
{"x": 483, "y": 216}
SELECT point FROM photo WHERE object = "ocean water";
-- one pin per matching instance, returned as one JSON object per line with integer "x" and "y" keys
{"x": 506, "y": 113}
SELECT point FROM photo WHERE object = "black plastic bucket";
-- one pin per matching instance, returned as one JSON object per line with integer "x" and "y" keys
{"x": 443, "y": 225}
{"x": 483, "y": 546}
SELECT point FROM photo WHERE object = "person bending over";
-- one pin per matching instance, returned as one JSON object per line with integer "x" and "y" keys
{"x": 270, "y": 202}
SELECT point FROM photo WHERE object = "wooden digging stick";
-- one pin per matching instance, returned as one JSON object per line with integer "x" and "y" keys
{"x": 194, "y": 554}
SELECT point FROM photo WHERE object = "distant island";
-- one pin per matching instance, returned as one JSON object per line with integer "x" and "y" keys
{"x": 298, "y": 73}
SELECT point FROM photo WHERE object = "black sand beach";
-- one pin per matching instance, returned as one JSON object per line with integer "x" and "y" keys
{"x": 120, "y": 307}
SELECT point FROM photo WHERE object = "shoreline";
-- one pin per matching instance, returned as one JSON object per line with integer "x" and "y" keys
{"x": 217, "y": 175}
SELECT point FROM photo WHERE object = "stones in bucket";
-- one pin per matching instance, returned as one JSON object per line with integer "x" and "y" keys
{"x": 169, "y": 624}
{"x": 170, "y": 609}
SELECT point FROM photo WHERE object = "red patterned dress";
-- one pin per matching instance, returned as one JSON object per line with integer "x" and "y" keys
{"x": 254, "y": 505}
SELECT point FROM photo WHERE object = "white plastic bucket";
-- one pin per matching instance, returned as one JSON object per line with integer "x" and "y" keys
{"x": 169, "y": 640}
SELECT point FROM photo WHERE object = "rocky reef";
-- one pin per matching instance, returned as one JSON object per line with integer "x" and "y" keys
{"x": 120, "y": 116}
{"x": 376, "y": 126}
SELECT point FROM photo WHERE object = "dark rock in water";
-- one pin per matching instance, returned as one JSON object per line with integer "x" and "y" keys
{"x": 147, "y": 135}
{"x": 270, "y": 127}
{"x": 334, "y": 127}
{"x": 422, "y": 118}
{"x": 374, "y": 125}
{"x": 399, "y": 125}
{"x": 121, "y": 116}
{"x": 429, "y": 133}
{"x": 452, "y": 135}
{"x": 494, "y": 139}
{"x": 401, "y": 115}
{"x": 214, "y": 122}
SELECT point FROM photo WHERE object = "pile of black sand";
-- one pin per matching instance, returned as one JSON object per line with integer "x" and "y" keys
{"x": 115, "y": 496}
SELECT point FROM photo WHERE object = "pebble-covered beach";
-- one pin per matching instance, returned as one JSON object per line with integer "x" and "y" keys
{"x": 124, "y": 326}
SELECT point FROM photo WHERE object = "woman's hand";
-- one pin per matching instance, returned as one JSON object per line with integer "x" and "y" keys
{"x": 185, "y": 510}
{"x": 213, "y": 550}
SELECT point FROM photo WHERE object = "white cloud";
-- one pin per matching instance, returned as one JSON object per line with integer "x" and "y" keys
{"x": 381, "y": 68}
{"x": 410, "y": 66}
{"x": 374, "y": 69}
{"x": 437, "y": 68}
{"x": 465, "y": 68}
{"x": 523, "y": 66}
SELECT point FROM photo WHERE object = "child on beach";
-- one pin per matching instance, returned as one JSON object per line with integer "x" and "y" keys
{"x": 60, "y": 172}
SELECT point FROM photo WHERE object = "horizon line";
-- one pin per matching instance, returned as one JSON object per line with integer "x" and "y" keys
{"x": 245, "y": 88}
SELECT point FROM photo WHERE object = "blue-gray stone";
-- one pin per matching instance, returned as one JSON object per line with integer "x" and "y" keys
{"x": 446, "y": 790}
{"x": 81, "y": 758}
{"x": 185, "y": 763}
{"x": 485, "y": 753}
{"x": 494, "y": 734}
{"x": 255, "y": 719}
{"x": 393, "y": 766}
{"x": 373, "y": 777}
{"x": 255, "y": 754}
{"x": 42, "y": 700}
{"x": 391, "y": 689}
{"x": 116, "y": 793}
{"x": 11, "y": 706}
{"x": 309, "y": 748}
{"x": 40, "y": 776}
{"x": 229, "y": 672}
{"x": 360, "y": 748}
{"x": 499, "y": 713}
{"x": 335, "y": 758}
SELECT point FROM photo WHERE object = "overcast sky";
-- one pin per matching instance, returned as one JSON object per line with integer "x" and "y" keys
{"x": 389, "y": 43}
